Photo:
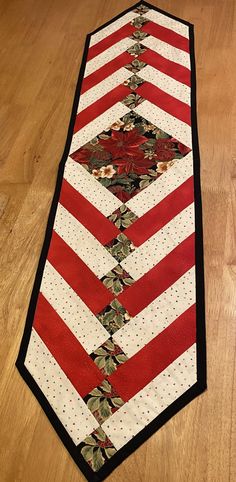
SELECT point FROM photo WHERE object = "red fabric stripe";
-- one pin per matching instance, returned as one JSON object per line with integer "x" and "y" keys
{"x": 106, "y": 70}
{"x": 111, "y": 40}
{"x": 157, "y": 355}
{"x": 161, "y": 214}
{"x": 66, "y": 349}
{"x": 165, "y": 101}
{"x": 167, "y": 35}
{"x": 100, "y": 106}
{"x": 159, "y": 278}
{"x": 101, "y": 228}
{"x": 174, "y": 70}
{"x": 77, "y": 274}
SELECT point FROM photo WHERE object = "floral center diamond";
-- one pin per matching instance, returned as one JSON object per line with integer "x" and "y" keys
{"x": 129, "y": 155}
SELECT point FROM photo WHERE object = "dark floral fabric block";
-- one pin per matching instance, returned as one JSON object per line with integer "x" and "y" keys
{"x": 120, "y": 247}
{"x": 141, "y": 9}
{"x": 123, "y": 217}
{"x": 108, "y": 356}
{"x": 129, "y": 149}
{"x": 113, "y": 317}
{"x": 117, "y": 280}
{"x": 138, "y": 22}
{"x": 132, "y": 100}
{"x": 133, "y": 82}
{"x": 97, "y": 449}
{"x": 138, "y": 35}
{"x": 103, "y": 401}
{"x": 136, "y": 49}
{"x": 135, "y": 66}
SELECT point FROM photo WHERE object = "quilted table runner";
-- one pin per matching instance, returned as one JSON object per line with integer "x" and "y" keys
{"x": 114, "y": 342}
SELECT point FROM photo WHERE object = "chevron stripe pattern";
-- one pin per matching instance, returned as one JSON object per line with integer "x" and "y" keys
{"x": 112, "y": 347}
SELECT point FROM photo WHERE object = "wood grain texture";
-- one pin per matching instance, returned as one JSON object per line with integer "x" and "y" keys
{"x": 41, "y": 46}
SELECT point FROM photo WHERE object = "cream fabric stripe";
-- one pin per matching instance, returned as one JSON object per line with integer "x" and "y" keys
{"x": 83, "y": 243}
{"x": 57, "y": 388}
{"x": 147, "y": 404}
{"x": 168, "y": 22}
{"x": 164, "y": 185}
{"x": 167, "y": 84}
{"x": 159, "y": 314}
{"x": 113, "y": 27}
{"x": 168, "y": 51}
{"x": 73, "y": 311}
{"x": 90, "y": 188}
{"x": 146, "y": 256}
{"x": 168, "y": 123}
{"x": 107, "y": 55}
{"x": 102, "y": 88}
{"x": 95, "y": 127}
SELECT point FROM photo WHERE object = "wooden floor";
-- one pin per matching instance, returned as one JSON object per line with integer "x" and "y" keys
{"x": 41, "y": 43}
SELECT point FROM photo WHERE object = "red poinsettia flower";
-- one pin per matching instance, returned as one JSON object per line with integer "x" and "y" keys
{"x": 136, "y": 163}
{"x": 164, "y": 143}
{"x": 123, "y": 143}
{"x": 119, "y": 192}
{"x": 165, "y": 155}
{"x": 183, "y": 149}
{"x": 122, "y": 195}
{"x": 163, "y": 149}
{"x": 82, "y": 156}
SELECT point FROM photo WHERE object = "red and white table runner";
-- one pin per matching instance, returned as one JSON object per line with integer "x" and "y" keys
{"x": 114, "y": 342}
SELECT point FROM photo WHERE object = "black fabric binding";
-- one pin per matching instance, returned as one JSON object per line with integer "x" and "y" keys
{"x": 200, "y": 385}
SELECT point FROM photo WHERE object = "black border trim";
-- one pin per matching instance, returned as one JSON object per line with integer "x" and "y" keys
{"x": 200, "y": 385}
